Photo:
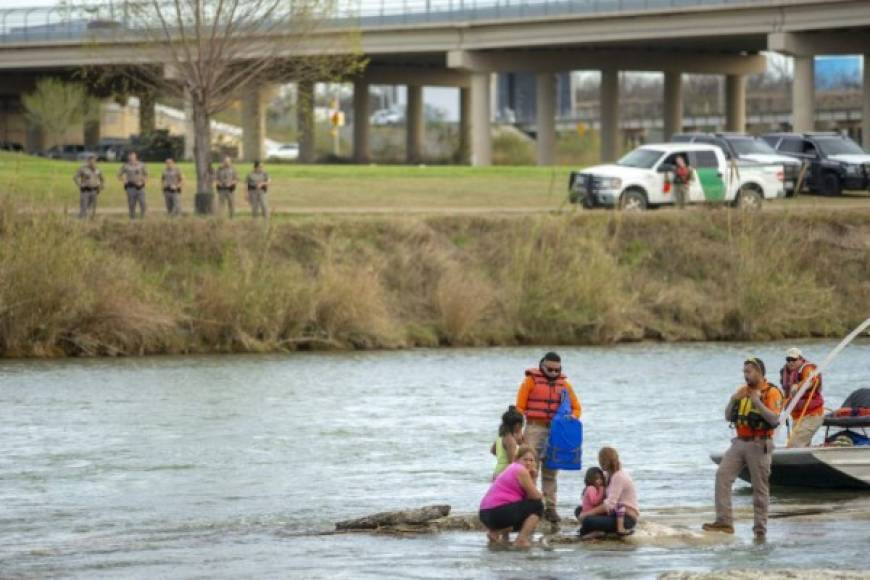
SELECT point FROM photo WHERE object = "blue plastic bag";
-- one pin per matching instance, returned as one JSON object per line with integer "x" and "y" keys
{"x": 565, "y": 444}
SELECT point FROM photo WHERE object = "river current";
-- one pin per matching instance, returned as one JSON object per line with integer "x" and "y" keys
{"x": 234, "y": 466}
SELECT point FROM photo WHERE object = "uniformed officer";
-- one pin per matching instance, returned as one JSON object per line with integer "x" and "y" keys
{"x": 134, "y": 175}
{"x": 258, "y": 184}
{"x": 90, "y": 182}
{"x": 226, "y": 181}
{"x": 172, "y": 180}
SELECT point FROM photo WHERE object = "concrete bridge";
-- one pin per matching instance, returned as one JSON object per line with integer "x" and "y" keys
{"x": 460, "y": 43}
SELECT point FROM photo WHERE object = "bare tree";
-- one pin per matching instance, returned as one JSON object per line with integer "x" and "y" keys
{"x": 56, "y": 106}
{"x": 212, "y": 51}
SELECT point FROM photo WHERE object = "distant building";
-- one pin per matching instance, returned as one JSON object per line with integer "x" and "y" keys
{"x": 838, "y": 72}
{"x": 516, "y": 97}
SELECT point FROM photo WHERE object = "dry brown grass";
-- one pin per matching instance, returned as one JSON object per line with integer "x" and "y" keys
{"x": 68, "y": 288}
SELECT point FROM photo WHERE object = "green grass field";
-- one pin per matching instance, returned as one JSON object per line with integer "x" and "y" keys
{"x": 48, "y": 183}
{"x": 303, "y": 189}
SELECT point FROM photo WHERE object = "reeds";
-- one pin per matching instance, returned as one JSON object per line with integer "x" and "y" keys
{"x": 113, "y": 288}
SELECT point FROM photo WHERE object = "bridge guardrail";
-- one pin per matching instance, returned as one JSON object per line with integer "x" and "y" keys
{"x": 47, "y": 24}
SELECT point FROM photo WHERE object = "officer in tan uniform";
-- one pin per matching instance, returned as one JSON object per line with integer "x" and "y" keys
{"x": 172, "y": 180}
{"x": 258, "y": 184}
{"x": 90, "y": 182}
{"x": 225, "y": 182}
{"x": 133, "y": 174}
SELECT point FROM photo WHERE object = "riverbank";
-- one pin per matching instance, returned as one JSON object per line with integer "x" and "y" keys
{"x": 198, "y": 286}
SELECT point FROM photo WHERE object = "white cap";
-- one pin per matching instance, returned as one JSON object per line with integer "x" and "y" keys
{"x": 794, "y": 352}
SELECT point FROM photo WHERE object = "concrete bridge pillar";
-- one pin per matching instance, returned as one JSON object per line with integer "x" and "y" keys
{"x": 672, "y": 101}
{"x": 481, "y": 132}
{"x": 546, "y": 118}
{"x": 92, "y": 129}
{"x": 253, "y": 124}
{"x": 464, "y": 125}
{"x": 609, "y": 96}
{"x": 414, "y": 124}
{"x": 803, "y": 94}
{"x": 361, "y": 150}
{"x": 735, "y": 103}
{"x": 147, "y": 122}
{"x": 305, "y": 120}
{"x": 865, "y": 123}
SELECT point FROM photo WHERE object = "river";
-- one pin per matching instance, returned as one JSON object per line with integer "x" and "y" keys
{"x": 232, "y": 466}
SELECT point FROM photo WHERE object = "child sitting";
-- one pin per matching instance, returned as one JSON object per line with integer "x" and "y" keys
{"x": 510, "y": 437}
{"x": 593, "y": 495}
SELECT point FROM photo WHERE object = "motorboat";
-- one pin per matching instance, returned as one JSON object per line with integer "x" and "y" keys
{"x": 842, "y": 462}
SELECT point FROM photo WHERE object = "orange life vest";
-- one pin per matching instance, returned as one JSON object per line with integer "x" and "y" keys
{"x": 791, "y": 382}
{"x": 546, "y": 396}
{"x": 749, "y": 420}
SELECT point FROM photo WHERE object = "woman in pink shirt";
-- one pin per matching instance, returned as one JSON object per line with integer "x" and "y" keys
{"x": 620, "y": 501}
{"x": 513, "y": 502}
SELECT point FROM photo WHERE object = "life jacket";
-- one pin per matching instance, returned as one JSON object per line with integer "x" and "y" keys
{"x": 545, "y": 396}
{"x": 791, "y": 381}
{"x": 748, "y": 420}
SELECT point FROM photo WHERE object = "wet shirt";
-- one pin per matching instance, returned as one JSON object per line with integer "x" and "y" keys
{"x": 226, "y": 176}
{"x": 171, "y": 178}
{"x": 257, "y": 177}
{"x": 89, "y": 177}
{"x": 133, "y": 173}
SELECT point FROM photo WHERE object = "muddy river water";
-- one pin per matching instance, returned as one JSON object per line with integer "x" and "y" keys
{"x": 232, "y": 466}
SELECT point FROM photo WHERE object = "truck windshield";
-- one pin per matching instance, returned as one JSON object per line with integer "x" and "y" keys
{"x": 751, "y": 146}
{"x": 641, "y": 158}
{"x": 839, "y": 146}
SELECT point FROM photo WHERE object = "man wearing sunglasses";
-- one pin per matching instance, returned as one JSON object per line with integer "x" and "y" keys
{"x": 538, "y": 399}
{"x": 808, "y": 415}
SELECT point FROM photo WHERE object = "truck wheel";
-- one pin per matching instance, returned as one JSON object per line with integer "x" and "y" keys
{"x": 831, "y": 185}
{"x": 632, "y": 200}
{"x": 749, "y": 199}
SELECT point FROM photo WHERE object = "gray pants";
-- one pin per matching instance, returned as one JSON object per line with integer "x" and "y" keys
{"x": 681, "y": 194}
{"x": 537, "y": 436}
{"x": 88, "y": 203}
{"x": 258, "y": 202}
{"x": 135, "y": 197}
{"x": 227, "y": 197}
{"x": 754, "y": 455}
{"x": 173, "y": 202}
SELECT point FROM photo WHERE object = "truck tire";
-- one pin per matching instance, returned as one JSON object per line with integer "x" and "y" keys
{"x": 831, "y": 185}
{"x": 749, "y": 199}
{"x": 633, "y": 200}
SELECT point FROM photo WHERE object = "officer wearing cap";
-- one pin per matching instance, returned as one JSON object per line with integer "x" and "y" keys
{"x": 90, "y": 182}
{"x": 754, "y": 410}
{"x": 809, "y": 413}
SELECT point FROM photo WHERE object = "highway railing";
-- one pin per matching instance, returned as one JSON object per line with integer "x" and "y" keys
{"x": 64, "y": 24}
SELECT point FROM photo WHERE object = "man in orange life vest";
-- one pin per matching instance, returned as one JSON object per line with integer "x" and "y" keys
{"x": 809, "y": 413}
{"x": 538, "y": 399}
{"x": 754, "y": 410}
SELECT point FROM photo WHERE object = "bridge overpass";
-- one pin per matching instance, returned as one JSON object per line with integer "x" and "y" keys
{"x": 460, "y": 43}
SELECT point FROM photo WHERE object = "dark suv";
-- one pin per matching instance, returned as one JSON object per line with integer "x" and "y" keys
{"x": 833, "y": 161}
{"x": 747, "y": 148}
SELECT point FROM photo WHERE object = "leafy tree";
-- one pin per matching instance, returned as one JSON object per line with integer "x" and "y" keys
{"x": 56, "y": 106}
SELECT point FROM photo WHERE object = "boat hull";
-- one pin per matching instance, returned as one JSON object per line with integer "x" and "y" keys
{"x": 818, "y": 467}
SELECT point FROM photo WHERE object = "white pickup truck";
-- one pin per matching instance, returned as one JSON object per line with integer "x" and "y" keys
{"x": 644, "y": 178}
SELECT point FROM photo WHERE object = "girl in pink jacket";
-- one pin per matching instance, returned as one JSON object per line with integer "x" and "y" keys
{"x": 593, "y": 495}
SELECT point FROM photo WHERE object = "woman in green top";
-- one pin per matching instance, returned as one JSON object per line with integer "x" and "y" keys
{"x": 510, "y": 437}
